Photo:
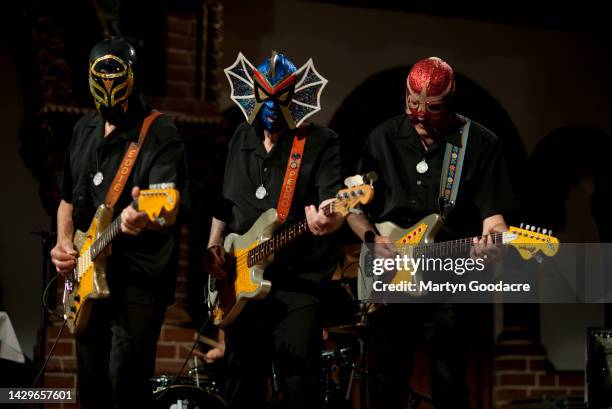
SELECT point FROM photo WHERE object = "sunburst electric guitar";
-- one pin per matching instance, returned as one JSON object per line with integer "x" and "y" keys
{"x": 88, "y": 280}
{"x": 253, "y": 251}
{"x": 418, "y": 241}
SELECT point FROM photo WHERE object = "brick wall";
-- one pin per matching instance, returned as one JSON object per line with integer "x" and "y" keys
{"x": 186, "y": 70}
{"x": 172, "y": 349}
{"x": 522, "y": 371}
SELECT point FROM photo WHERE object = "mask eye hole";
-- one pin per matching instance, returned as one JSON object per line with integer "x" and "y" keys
{"x": 412, "y": 103}
{"x": 261, "y": 94}
{"x": 437, "y": 107}
{"x": 284, "y": 96}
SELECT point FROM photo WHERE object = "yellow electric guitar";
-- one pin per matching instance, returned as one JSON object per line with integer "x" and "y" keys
{"x": 252, "y": 252}
{"x": 418, "y": 241}
{"x": 88, "y": 281}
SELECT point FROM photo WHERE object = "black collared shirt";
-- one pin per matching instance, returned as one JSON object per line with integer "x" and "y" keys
{"x": 249, "y": 166}
{"x": 404, "y": 196}
{"x": 142, "y": 267}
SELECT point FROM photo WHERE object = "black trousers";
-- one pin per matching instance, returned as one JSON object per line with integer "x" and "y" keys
{"x": 116, "y": 355}
{"x": 393, "y": 333}
{"x": 266, "y": 331}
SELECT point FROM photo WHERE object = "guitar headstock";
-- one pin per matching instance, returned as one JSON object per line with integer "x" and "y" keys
{"x": 156, "y": 199}
{"x": 349, "y": 198}
{"x": 530, "y": 241}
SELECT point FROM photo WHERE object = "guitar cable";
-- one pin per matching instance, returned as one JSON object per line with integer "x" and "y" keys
{"x": 178, "y": 374}
{"x": 59, "y": 334}
{"x": 45, "y": 296}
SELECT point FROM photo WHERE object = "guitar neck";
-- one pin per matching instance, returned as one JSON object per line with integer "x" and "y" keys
{"x": 108, "y": 235}
{"x": 453, "y": 247}
{"x": 282, "y": 238}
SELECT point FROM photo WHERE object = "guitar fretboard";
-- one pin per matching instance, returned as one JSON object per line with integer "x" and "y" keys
{"x": 451, "y": 247}
{"x": 282, "y": 238}
{"x": 106, "y": 237}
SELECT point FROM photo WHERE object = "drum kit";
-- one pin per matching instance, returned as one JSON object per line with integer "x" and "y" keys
{"x": 343, "y": 373}
{"x": 343, "y": 359}
{"x": 199, "y": 389}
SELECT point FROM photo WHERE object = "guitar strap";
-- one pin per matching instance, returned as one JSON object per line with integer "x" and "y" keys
{"x": 291, "y": 173}
{"x": 452, "y": 166}
{"x": 127, "y": 164}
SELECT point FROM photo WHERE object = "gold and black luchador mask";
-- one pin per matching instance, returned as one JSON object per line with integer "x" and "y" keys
{"x": 111, "y": 81}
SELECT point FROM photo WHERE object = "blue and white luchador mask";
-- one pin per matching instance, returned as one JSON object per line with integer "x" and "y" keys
{"x": 276, "y": 93}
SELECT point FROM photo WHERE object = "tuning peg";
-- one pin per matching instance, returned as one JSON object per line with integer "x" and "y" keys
{"x": 538, "y": 229}
{"x": 522, "y": 225}
{"x": 532, "y": 228}
{"x": 370, "y": 178}
{"x": 550, "y": 232}
{"x": 544, "y": 231}
{"x": 527, "y": 227}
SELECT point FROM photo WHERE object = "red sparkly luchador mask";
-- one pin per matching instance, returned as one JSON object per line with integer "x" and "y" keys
{"x": 429, "y": 89}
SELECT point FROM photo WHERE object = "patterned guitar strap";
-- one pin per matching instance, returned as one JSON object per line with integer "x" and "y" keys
{"x": 452, "y": 166}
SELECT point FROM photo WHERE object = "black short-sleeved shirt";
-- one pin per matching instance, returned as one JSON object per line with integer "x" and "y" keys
{"x": 249, "y": 165}
{"x": 404, "y": 196}
{"x": 144, "y": 267}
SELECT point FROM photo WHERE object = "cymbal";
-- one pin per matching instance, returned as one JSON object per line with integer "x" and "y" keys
{"x": 351, "y": 329}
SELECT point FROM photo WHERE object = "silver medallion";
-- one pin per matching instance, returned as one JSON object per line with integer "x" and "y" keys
{"x": 98, "y": 178}
{"x": 261, "y": 192}
{"x": 422, "y": 166}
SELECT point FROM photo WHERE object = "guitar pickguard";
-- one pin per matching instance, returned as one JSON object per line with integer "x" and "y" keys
{"x": 246, "y": 283}
{"x": 89, "y": 280}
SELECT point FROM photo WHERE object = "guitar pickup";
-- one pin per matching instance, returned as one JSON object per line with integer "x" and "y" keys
{"x": 162, "y": 186}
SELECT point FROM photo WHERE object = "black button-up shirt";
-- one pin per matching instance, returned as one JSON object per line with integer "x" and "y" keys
{"x": 142, "y": 267}
{"x": 404, "y": 196}
{"x": 249, "y": 166}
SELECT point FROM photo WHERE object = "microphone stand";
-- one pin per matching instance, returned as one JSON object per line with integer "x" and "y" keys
{"x": 46, "y": 240}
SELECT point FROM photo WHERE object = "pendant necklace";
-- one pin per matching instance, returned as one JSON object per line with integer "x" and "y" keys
{"x": 98, "y": 177}
{"x": 261, "y": 191}
{"x": 422, "y": 166}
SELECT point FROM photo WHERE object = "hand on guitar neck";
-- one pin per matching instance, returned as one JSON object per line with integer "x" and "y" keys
{"x": 486, "y": 247}
{"x": 323, "y": 221}
{"x": 133, "y": 221}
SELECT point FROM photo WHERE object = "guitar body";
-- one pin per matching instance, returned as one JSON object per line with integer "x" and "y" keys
{"x": 529, "y": 242}
{"x": 422, "y": 232}
{"x": 89, "y": 278}
{"x": 253, "y": 252}
{"x": 246, "y": 282}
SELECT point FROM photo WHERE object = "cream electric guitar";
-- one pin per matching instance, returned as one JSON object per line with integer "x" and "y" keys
{"x": 253, "y": 251}
{"x": 88, "y": 281}
{"x": 418, "y": 241}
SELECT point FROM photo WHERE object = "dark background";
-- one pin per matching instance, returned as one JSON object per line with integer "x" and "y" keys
{"x": 538, "y": 78}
